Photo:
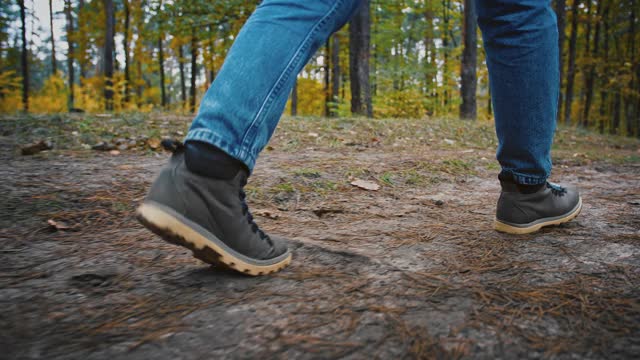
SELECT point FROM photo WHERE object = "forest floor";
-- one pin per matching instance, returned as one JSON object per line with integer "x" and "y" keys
{"x": 412, "y": 270}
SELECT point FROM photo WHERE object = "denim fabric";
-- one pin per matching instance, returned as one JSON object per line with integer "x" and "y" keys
{"x": 521, "y": 42}
{"x": 241, "y": 109}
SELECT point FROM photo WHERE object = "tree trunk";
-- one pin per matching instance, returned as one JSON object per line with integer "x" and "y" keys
{"x": 108, "y": 53}
{"x": 125, "y": 45}
{"x": 585, "y": 55}
{"x": 24, "y": 64}
{"x": 605, "y": 49}
{"x": 373, "y": 74}
{"x": 343, "y": 90}
{"x": 212, "y": 49}
{"x": 335, "y": 73}
{"x": 445, "y": 51}
{"x": 54, "y": 63}
{"x": 590, "y": 78}
{"x": 294, "y": 98}
{"x": 429, "y": 52}
{"x": 359, "y": 41}
{"x": 141, "y": 84}
{"x": 615, "y": 125}
{"x": 183, "y": 86}
{"x": 163, "y": 94}
{"x": 560, "y": 15}
{"x": 327, "y": 77}
{"x": 631, "y": 47}
{"x": 468, "y": 108}
{"x": 81, "y": 39}
{"x": 571, "y": 67}
{"x": 70, "y": 54}
{"x": 396, "y": 65}
{"x": 194, "y": 70}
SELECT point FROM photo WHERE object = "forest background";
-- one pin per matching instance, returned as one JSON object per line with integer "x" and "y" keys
{"x": 396, "y": 58}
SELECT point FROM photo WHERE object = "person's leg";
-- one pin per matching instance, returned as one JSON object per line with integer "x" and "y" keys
{"x": 521, "y": 42}
{"x": 241, "y": 109}
{"x": 198, "y": 200}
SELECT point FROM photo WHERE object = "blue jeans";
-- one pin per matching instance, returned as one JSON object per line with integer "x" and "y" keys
{"x": 241, "y": 109}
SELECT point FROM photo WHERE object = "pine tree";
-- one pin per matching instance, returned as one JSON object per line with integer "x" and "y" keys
{"x": 468, "y": 108}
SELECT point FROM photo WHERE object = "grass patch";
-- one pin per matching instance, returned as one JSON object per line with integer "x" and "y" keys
{"x": 308, "y": 173}
{"x": 387, "y": 178}
{"x": 285, "y": 187}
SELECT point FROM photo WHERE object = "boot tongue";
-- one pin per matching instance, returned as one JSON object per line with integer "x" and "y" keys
{"x": 207, "y": 160}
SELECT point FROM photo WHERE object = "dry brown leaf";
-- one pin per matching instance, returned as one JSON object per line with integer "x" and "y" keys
{"x": 35, "y": 148}
{"x": 58, "y": 225}
{"x": 270, "y": 214}
{"x": 153, "y": 143}
{"x": 365, "y": 184}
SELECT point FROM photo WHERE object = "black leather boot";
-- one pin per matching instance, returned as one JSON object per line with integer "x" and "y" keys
{"x": 522, "y": 211}
{"x": 205, "y": 211}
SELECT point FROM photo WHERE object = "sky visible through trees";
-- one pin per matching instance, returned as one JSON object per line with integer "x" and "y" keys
{"x": 401, "y": 58}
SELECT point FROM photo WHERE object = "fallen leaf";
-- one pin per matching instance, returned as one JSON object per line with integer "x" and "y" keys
{"x": 366, "y": 185}
{"x": 35, "y": 148}
{"x": 322, "y": 212}
{"x": 270, "y": 214}
{"x": 153, "y": 143}
{"x": 58, "y": 225}
{"x": 103, "y": 146}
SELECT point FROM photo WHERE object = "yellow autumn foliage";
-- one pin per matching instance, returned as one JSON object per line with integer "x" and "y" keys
{"x": 311, "y": 98}
{"x": 10, "y": 92}
{"x": 52, "y": 98}
{"x": 408, "y": 103}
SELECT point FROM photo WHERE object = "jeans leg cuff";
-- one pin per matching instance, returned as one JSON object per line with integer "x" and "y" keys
{"x": 205, "y": 135}
{"x": 526, "y": 179}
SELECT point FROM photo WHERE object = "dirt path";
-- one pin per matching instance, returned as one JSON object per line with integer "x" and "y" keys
{"x": 413, "y": 270}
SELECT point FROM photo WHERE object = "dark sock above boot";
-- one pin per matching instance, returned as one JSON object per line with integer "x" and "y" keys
{"x": 509, "y": 184}
{"x": 207, "y": 160}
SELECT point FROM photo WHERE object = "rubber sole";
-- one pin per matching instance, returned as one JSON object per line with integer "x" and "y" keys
{"x": 177, "y": 232}
{"x": 510, "y": 229}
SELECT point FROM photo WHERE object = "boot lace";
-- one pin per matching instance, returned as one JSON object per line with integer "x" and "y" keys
{"x": 556, "y": 189}
{"x": 245, "y": 211}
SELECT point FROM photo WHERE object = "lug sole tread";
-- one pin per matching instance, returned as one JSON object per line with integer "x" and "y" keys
{"x": 506, "y": 228}
{"x": 175, "y": 232}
